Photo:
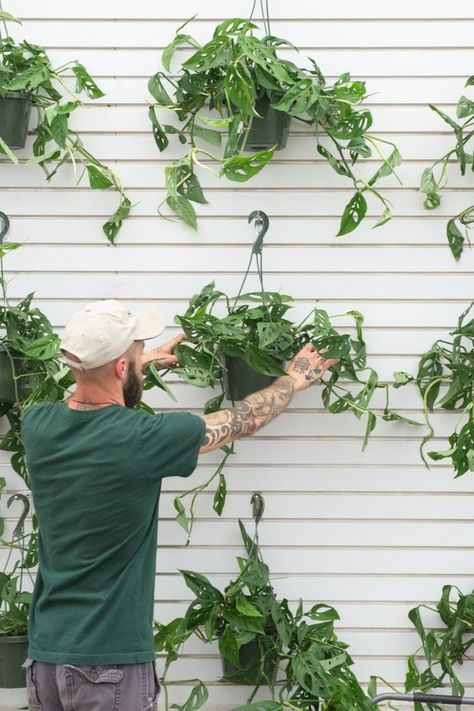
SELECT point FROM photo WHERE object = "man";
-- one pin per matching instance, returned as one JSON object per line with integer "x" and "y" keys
{"x": 96, "y": 468}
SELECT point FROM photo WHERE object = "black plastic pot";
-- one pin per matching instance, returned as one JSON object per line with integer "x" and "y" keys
{"x": 13, "y": 653}
{"x": 248, "y": 671}
{"x": 241, "y": 380}
{"x": 269, "y": 130}
{"x": 7, "y": 384}
{"x": 15, "y": 109}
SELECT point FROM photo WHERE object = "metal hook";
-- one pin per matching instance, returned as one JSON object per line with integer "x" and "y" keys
{"x": 258, "y": 506}
{"x": 5, "y": 225}
{"x": 19, "y": 528}
{"x": 262, "y": 224}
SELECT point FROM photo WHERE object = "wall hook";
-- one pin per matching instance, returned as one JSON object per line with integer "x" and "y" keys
{"x": 19, "y": 528}
{"x": 4, "y": 225}
{"x": 262, "y": 224}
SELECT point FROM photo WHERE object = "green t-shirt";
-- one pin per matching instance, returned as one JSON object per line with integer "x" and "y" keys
{"x": 96, "y": 479}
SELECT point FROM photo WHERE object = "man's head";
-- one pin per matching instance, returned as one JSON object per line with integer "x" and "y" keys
{"x": 103, "y": 344}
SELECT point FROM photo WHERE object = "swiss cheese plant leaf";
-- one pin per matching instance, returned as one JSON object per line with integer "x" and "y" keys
{"x": 112, "y": 227}
{"x": 241, "y": 169}
{"x": 455, "y": 238}
{"x": 354, "y": 212}
{"x": 169, "y": 51}
{"x": 84, "y": 82}
{"x": 161, "y": 139}
{"x": 183, "y": 209}
{"x": 261, "y": 362}
{"x": 99, "y": 178}
{"x": 158, "y": 91}
{"x": 220, "y": 495}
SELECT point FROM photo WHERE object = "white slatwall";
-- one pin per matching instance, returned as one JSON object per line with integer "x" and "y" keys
{"x": 374, "y": 533}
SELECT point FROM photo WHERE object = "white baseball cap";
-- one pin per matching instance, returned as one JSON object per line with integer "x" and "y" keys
{"x": 104, "y": 330}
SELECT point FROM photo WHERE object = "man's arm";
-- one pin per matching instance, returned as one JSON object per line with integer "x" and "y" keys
{"x": 249, "y": 415}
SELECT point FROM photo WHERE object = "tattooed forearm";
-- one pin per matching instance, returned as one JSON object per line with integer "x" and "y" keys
{"x": 249, "y": 415}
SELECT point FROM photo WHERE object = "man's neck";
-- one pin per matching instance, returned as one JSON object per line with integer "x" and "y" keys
{"x": 93, "y": 399}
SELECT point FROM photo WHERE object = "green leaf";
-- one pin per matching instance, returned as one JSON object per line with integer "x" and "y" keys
{"x": 261, "y": 362}
{"x": 465, "y": 107}
{"x": 229, "y": 647}
{"x": 216, "y": 122}
{"x": 84, "y": 82}
{"x": 220, "y": 495}
{"x": 190, "y": 188}
{"x": 268, "y": 332}
{"x": 169, "y": 51}
{"x": 43, "y": 348}
{"x": 371, "y": 423}
{"x": 333, "y": 662}
{"x": 181, "y": 518}
{"x": 207, "y": 134}
{"x": 455, "y": 238}
{"x": 388, "y": 166}
{"x": 401, "y": 378}
{"x": 31, "y": 78}
{"x": 59, "y": 129}
{"x": 158, "y": 380}
{"x": 246, "y": 608}
{"x": 214, "y": 404}
{"x": 445, "y": 117}
{"x": 4, "y": 148}
{"x": 112, "y": 227}
{"x": 157, "y": 90}
{"x": 322, "y": 613}
{"x": 353, "y": 214}
{"x": 241, "y": 169}
{"x": 201, "y": 586}
{"x": 196, "y": 699}
{"x": 337, "y": 165}
{"x": 161, "y": 139}
{"x": 98, "y": 178}
{"x": 9, "y": 18}
{"x": 183, "y": 209}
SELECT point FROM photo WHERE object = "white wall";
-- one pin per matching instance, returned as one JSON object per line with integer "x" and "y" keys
{"x": 373, "y": 533}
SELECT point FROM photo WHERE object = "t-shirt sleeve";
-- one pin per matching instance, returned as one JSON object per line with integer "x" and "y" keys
{"x": 170, "y": 443}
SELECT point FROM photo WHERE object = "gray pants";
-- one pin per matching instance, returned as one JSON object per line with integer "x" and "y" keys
{"x": 65, "y": 687}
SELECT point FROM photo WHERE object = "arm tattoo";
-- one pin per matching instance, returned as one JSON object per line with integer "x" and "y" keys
{"x": 249, "y": 415}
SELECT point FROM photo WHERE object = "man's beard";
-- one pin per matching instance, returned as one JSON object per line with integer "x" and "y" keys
{"x": 133, "y": 388}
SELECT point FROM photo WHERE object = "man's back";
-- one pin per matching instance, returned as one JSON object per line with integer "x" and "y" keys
{"x": 96, "y": 480}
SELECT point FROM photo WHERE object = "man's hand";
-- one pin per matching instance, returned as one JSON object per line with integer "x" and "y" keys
{"x": 163, "y": 356}
{"x": 308, "y": 366}
{"x": 249, "y": 415}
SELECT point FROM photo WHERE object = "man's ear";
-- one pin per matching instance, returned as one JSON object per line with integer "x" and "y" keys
{"x": 121, "y": 368}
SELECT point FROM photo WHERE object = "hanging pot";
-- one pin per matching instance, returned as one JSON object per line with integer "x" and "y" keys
{"x": 7, "y": 383}
{"x": 13, "y": 653}
{"x": 269, "y": 130}
{"x": 241, "y": 380}
{"x": 15, "y": 109}
{"x": 248, "y": 672}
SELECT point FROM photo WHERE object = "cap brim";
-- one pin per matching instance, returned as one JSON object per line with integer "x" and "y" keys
{"x": 149, "y": 324}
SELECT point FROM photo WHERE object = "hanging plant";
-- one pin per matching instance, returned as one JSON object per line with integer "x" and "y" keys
{"x": 449, "y": 363}
{"x": 262, "y": 642}
{"x": 256, "y": 330}
{"x": 28, "y": 80}
{"x": 235, "y": 87}
{"x": 445, "y": 647}
{"x": 29, "y": 360}
{"x": 435, "y": 178}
